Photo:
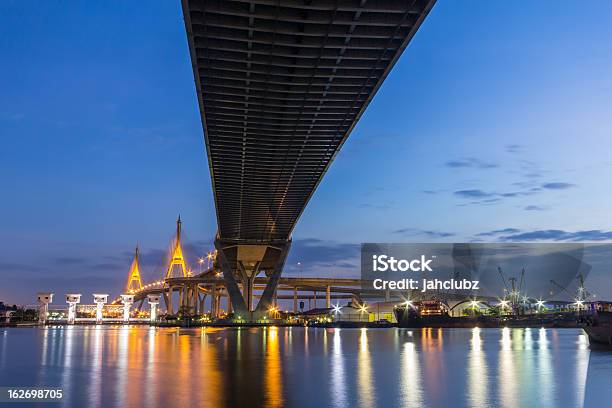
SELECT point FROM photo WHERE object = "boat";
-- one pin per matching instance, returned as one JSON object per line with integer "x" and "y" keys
{"x": 433, "y": 313}
{"x": 600, "y": 329}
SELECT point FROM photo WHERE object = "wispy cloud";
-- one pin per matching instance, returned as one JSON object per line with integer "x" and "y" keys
{"x": 514, "y": 148}
{"x": 470, "y": 162}
{"x": 557, "y": 186}
{"x": 516, "y": 235}
{"x": 318, "y": 257}
{"x": 474, "y": 193}
{"x": 527, "y": 189}
{"x": 425, "y": 233}
{"x": 560, "y": 235}
{"x": 498, "y": 232}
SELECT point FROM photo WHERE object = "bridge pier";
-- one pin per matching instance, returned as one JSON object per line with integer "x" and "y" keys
{"x": 328, "y": 296}
{"x": 100, "y": 300}
{"x": 44, "y": 299}
{"x": 241, "y": 264}
{"x": 128, "y": 301}
{"x": 72, "y": 299}
{"x": 153, "y": 300}
{"x": 168, "y": 301}
{"x": 202, "y": 303}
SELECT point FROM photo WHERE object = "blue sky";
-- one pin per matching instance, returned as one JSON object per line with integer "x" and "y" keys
{"x": 493, "y": 126}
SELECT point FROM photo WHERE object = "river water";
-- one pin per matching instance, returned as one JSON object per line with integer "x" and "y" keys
{"x": 106, "y": 366}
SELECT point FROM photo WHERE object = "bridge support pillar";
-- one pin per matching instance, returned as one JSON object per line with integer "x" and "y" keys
{"x": 168, "y": 300}
{"x": 153, "y": 300}
{"x": 242, "y": 263}
{"x": 100, "y": 300}
{"x": 328, "y": 297}
{"x": 72, "y": 299}
{"x": 215, "y": 305}
{"x": 128, "y": 301}
{"x": 44, "y": 299}
{"x": 202, "y": 304}
{"x": 295, "y": 300}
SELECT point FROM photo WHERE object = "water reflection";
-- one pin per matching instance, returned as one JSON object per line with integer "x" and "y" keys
{"x": 546, "y": 377}
{"x": 364, "y": 372}
{"x": 210, "y": 367}
{"x": 273, "y": 374}
{"x": 410, "y": 387}
{"x": 337, "y": 386}
{"x": 506, "y": 375}
{"x": 478, "y": 382}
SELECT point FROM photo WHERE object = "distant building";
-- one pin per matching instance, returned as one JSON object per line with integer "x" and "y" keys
{"x": 366, "y": 313}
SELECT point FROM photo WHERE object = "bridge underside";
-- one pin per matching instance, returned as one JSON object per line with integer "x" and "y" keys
{"x": 280, "y": 87}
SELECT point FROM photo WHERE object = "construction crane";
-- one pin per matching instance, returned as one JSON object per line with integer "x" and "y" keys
{"x": 513, "y": 291}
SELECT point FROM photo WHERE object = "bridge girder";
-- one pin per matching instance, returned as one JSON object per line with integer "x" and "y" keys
{"x": 281, "y": 85}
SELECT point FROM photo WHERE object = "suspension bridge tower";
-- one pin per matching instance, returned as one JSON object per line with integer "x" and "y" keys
{"x": 177, "y": 266}
{"x": 134, "y": 282}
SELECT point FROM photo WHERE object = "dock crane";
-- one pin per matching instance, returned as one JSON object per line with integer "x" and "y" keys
{"x": 513, "y": 291}
{"x": 581, "y": 293}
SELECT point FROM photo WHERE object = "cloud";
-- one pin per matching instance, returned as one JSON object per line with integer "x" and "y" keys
{"x": 427, "y": 233}
{"x": 489, "y": 197}
{"x": 376, "y": 206}
{"x": 470, "y": 162}
{"x": 473, "y": 194}
{"x": 557, "y": 186}
{"x": 558, "y": 235}
{"x": 514, "y": 148}
{"x": 66, "y": 260}
{"x": 533, "y": 208}
{"x": 314, "y": 257}
{"x": 498, "y": 232}
{"x": 7, "y": 267}
{"x": 109, "y": 266}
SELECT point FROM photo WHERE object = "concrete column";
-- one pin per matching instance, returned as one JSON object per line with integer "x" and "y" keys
{"x": 165, "y": 295}
{"x": 213, "y": 305}
{"x": 217, "y": 299}
{"x": 214, "y": 302}
{"x": 128, "y": 301}
{"x": 44, "y": 299}
{"x": 295, "y": 300}
{"x": 100, "y": 300}
{"x": 203, "y": 304}
{"x": 328, "y": 297}
{"x": 315, "y": 299}
{"x": 153, "y": 303}
{"x": 171, "y": 303}
{"x": 196, "y": 301}
{"x": 72, "y": 299}
{"x": 181, "y": 291}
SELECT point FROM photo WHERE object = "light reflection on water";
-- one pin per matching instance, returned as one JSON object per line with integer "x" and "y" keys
{"x": 146, "y": 366}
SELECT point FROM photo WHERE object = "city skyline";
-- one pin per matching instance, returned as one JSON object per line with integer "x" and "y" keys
{"x": 473, "y": 137}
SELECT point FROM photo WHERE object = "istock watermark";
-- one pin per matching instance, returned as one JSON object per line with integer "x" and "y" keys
{"x": 538, "y": 270}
